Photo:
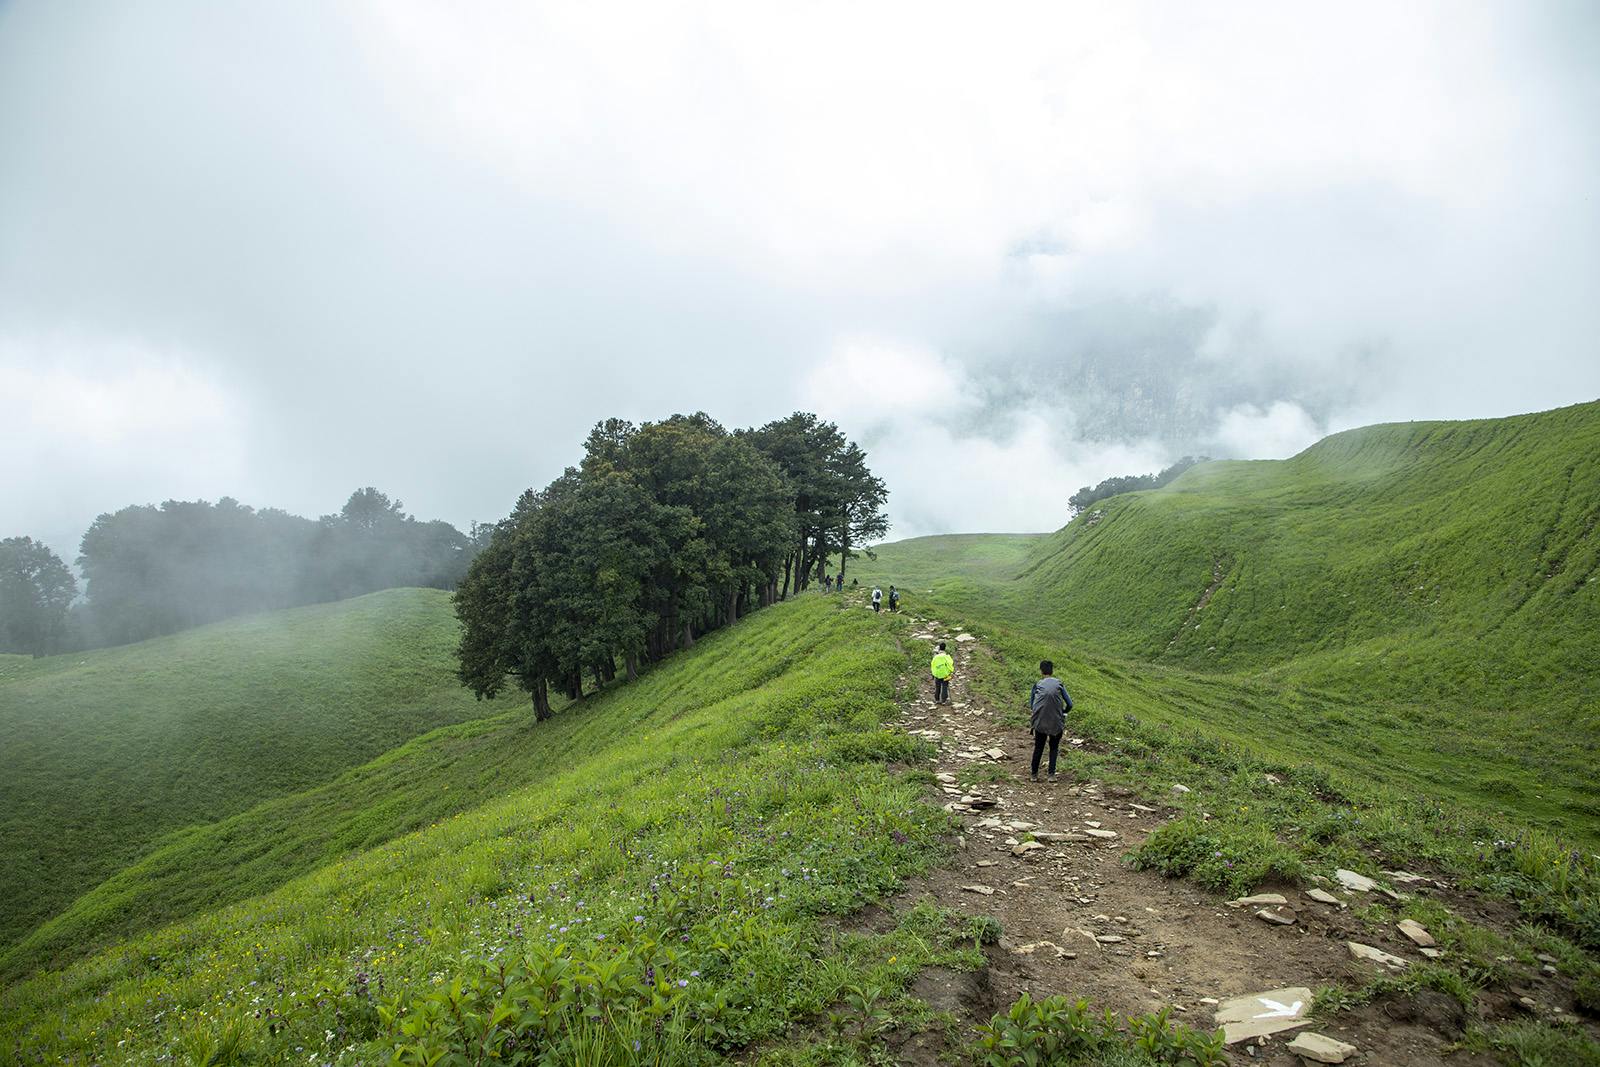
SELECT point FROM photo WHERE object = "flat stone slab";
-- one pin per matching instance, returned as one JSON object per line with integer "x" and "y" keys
{"x": 1025, "y": 847}
{"x": 963, "y": 638}
{"x": 1375, "y": 955}
{"x": 1104, "y": 835}
{"x": 1259, "y": 900}
{"x": 1417, "y": 933}
{"x": 1318, "y": 1048}
{"x": 981, "y": 890}
{"x": 1358, "y": 883}
{"x": 996, "y": 753}
{"x": 1322, "y": 896}
{"x": 1259, "y": 1014}
{"x": 1270, "y": 916}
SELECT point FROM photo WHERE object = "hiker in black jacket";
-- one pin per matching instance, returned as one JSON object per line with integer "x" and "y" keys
{"x": 1050, "y": 703}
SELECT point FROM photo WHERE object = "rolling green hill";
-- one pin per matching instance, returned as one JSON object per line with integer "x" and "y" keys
{"x": 1443, "y": 560}
{"x": 108, "y": 751}
{"x": 733, "y": 794}
{"x": 1413, "y": 603}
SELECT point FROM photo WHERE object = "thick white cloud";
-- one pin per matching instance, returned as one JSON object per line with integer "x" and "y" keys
{"x": 84, "y": 419}
{"x": 425, "y": 246}
{"x": 1251, "y": 432}
{"x": 954, "y": 462}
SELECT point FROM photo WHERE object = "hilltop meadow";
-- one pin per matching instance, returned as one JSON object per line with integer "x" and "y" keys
{"x": 1375, "y": 656}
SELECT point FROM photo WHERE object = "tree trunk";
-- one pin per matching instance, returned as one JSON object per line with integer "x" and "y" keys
{"x": 541, "y": 701}
{"x": 575, "y": 685}
{"x": 608, "y": 667}
{"x": 844, "y": 549}
{"x": 631, "y": 661}
{"x": 688, "y": 635}
{"x": 732, "y": 613}
{"x": 599, "y": 679}
{"x": 788, "y": 561}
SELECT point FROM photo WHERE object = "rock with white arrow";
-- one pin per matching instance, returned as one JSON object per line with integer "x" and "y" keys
{"x": 1260, "y": 1014}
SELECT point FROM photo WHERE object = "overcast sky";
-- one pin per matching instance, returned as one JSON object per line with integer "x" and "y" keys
{"x": 279, "y": 251}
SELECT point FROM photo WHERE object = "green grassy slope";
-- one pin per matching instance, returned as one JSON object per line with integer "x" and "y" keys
{"x": 107, "y": 751}
{"x": 729, "y": 798}
{"x": 1444, "y": 560}
{"x": 1413, "y": 604}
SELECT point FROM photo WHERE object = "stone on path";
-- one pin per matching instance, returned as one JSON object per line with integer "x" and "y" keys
{"x": 982, "y": 890}
{"x": 1180, "y": 789}
{"x": 1270, "y": 899}
{"x": 1025, "y": 847}
{"x": 964, "y": 638}
{"x": 1322, "y": 896}
{"x": 1358, "y": 883}
{"x": 1417, "y": 933}
{"x": 1320, "y": 1049}
{"x": 1260, "y": 1014}
{"x": 988, "y": 863}
{"x": 1030, "y": 949}
{"x": 1071, "y": 835}
{"x": 946, "y": 777}
{"x": 1267, "y": 915}
{"x": 1431, "y": 953}
{"x": 996, "y": 754}
{"x": 1104, "y": 835}
{"x": 979, "y": 802}
{"x": 1375, "y": 955}
{"x": 1109, "y": 939}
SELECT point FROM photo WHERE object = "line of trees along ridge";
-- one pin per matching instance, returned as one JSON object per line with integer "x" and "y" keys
{"x": 157, "y": 569}
{"x": 1087, "y": 496}
{"x": 664, "y": 531}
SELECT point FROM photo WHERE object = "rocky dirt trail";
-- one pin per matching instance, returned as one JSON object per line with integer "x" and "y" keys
{"x": 1046, "y": 861}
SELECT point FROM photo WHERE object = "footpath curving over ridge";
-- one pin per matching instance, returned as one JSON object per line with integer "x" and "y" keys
{"x": 1049, "y": 863}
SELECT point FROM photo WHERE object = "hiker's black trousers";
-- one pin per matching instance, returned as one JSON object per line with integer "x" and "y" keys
{"x": 1038, "y": 750}
{"x": 941, "y": 689}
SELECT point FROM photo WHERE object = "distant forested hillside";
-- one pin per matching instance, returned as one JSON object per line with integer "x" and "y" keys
{"x": 158, "y": 569}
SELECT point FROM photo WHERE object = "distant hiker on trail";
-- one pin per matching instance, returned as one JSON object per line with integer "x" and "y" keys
{"x": 941, "y": 668}
{"x": 877, "y": 599}
{"x": 1050, "y": 704}
{"x": 827, "y": 583}
{"x": 853, "y": 582}
{"x": 894, "y": 599}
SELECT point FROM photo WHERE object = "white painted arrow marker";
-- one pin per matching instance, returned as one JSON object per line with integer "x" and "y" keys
{"x": 1276, "y": 1010}
{"x": 1266, "y": 1012}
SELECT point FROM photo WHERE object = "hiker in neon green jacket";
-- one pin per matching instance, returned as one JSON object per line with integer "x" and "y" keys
{"x": 942, "y": 668}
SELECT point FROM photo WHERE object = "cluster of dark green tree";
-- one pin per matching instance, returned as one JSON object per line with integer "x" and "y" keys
{"x": 36, "y": 595}
{"x": 152, "y": 570}
{"x": 664, "y": 531}
{"x": 1129, "y": 483}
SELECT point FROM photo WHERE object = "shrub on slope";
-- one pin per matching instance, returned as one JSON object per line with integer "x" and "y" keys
{"x": 107, "y": 751}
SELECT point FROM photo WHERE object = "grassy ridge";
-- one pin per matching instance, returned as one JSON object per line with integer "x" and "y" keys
{"x": 760, "y": 751}
{"x": 1435, "y": 560}
{"x": 108, "y": 751}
